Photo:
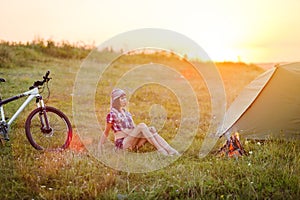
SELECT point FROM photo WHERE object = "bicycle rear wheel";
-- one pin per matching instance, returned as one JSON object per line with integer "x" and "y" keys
{"x": 58, "y": 137}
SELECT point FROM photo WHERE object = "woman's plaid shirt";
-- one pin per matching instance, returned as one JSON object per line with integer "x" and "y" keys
{"x": 119, "y": 120}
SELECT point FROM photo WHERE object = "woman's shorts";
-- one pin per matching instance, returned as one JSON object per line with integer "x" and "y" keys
{"x": 119, "y": 143}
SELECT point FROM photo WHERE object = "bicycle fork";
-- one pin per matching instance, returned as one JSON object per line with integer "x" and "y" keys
{"x": 45, "y": 126}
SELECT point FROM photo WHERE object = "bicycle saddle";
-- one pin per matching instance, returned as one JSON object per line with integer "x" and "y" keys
{"x": 2, "y": 80}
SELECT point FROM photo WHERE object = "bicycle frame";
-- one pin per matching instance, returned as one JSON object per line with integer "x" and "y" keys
{"x": 33, "y": 93}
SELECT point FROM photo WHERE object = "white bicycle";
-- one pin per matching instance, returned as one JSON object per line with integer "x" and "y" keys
{"x": 46, "y": 128}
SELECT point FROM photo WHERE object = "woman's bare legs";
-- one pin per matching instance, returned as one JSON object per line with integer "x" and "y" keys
{"x": 140, "y": 143}
{"x": 163, "y": 143}
{"x": 134, "y": 143}
{"x": 142, "y": 132}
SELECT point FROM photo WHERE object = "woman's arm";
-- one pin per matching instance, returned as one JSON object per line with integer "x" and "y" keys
{"x": 105, "y": 133}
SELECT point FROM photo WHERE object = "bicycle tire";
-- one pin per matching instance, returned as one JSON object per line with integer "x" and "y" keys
{"x": 58, "y": 139}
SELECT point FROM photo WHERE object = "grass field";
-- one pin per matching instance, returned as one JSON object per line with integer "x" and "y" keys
{"x": 270, "y": 171}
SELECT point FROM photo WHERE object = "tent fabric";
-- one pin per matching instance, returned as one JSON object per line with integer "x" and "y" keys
{"x": 269, "y": 107}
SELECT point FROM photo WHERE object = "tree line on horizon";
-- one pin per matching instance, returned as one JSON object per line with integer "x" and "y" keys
{"x": 23, "y": 54}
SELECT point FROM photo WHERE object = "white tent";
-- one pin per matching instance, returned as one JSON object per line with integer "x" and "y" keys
{"x": 269, "y": 107}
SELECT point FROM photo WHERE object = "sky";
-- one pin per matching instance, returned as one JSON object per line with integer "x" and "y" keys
{"x": 251, "y": 31}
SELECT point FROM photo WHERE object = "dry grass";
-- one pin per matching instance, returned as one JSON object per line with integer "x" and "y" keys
{"x": 271, "y": 171}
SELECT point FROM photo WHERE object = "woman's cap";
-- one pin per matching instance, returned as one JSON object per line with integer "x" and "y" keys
{"x": 117, "y": 93}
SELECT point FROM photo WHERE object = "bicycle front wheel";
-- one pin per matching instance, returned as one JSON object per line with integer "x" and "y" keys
{"x": 56, "y": 137}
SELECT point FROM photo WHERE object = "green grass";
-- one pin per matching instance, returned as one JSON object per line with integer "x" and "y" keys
{"x": 271, "y": 171}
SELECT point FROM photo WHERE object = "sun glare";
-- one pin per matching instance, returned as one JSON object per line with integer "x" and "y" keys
{"x": 251, "y": 31}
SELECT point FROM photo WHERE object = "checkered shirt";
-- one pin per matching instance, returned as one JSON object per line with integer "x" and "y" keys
{"x": 119, "y": 121}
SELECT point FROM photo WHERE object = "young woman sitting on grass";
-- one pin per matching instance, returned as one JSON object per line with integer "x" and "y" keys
{"x": 127, "y": 134}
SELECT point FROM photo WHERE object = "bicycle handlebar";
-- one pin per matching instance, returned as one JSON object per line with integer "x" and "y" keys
{"x": 41, "y": 83}
{"x": 46, "y": 76}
